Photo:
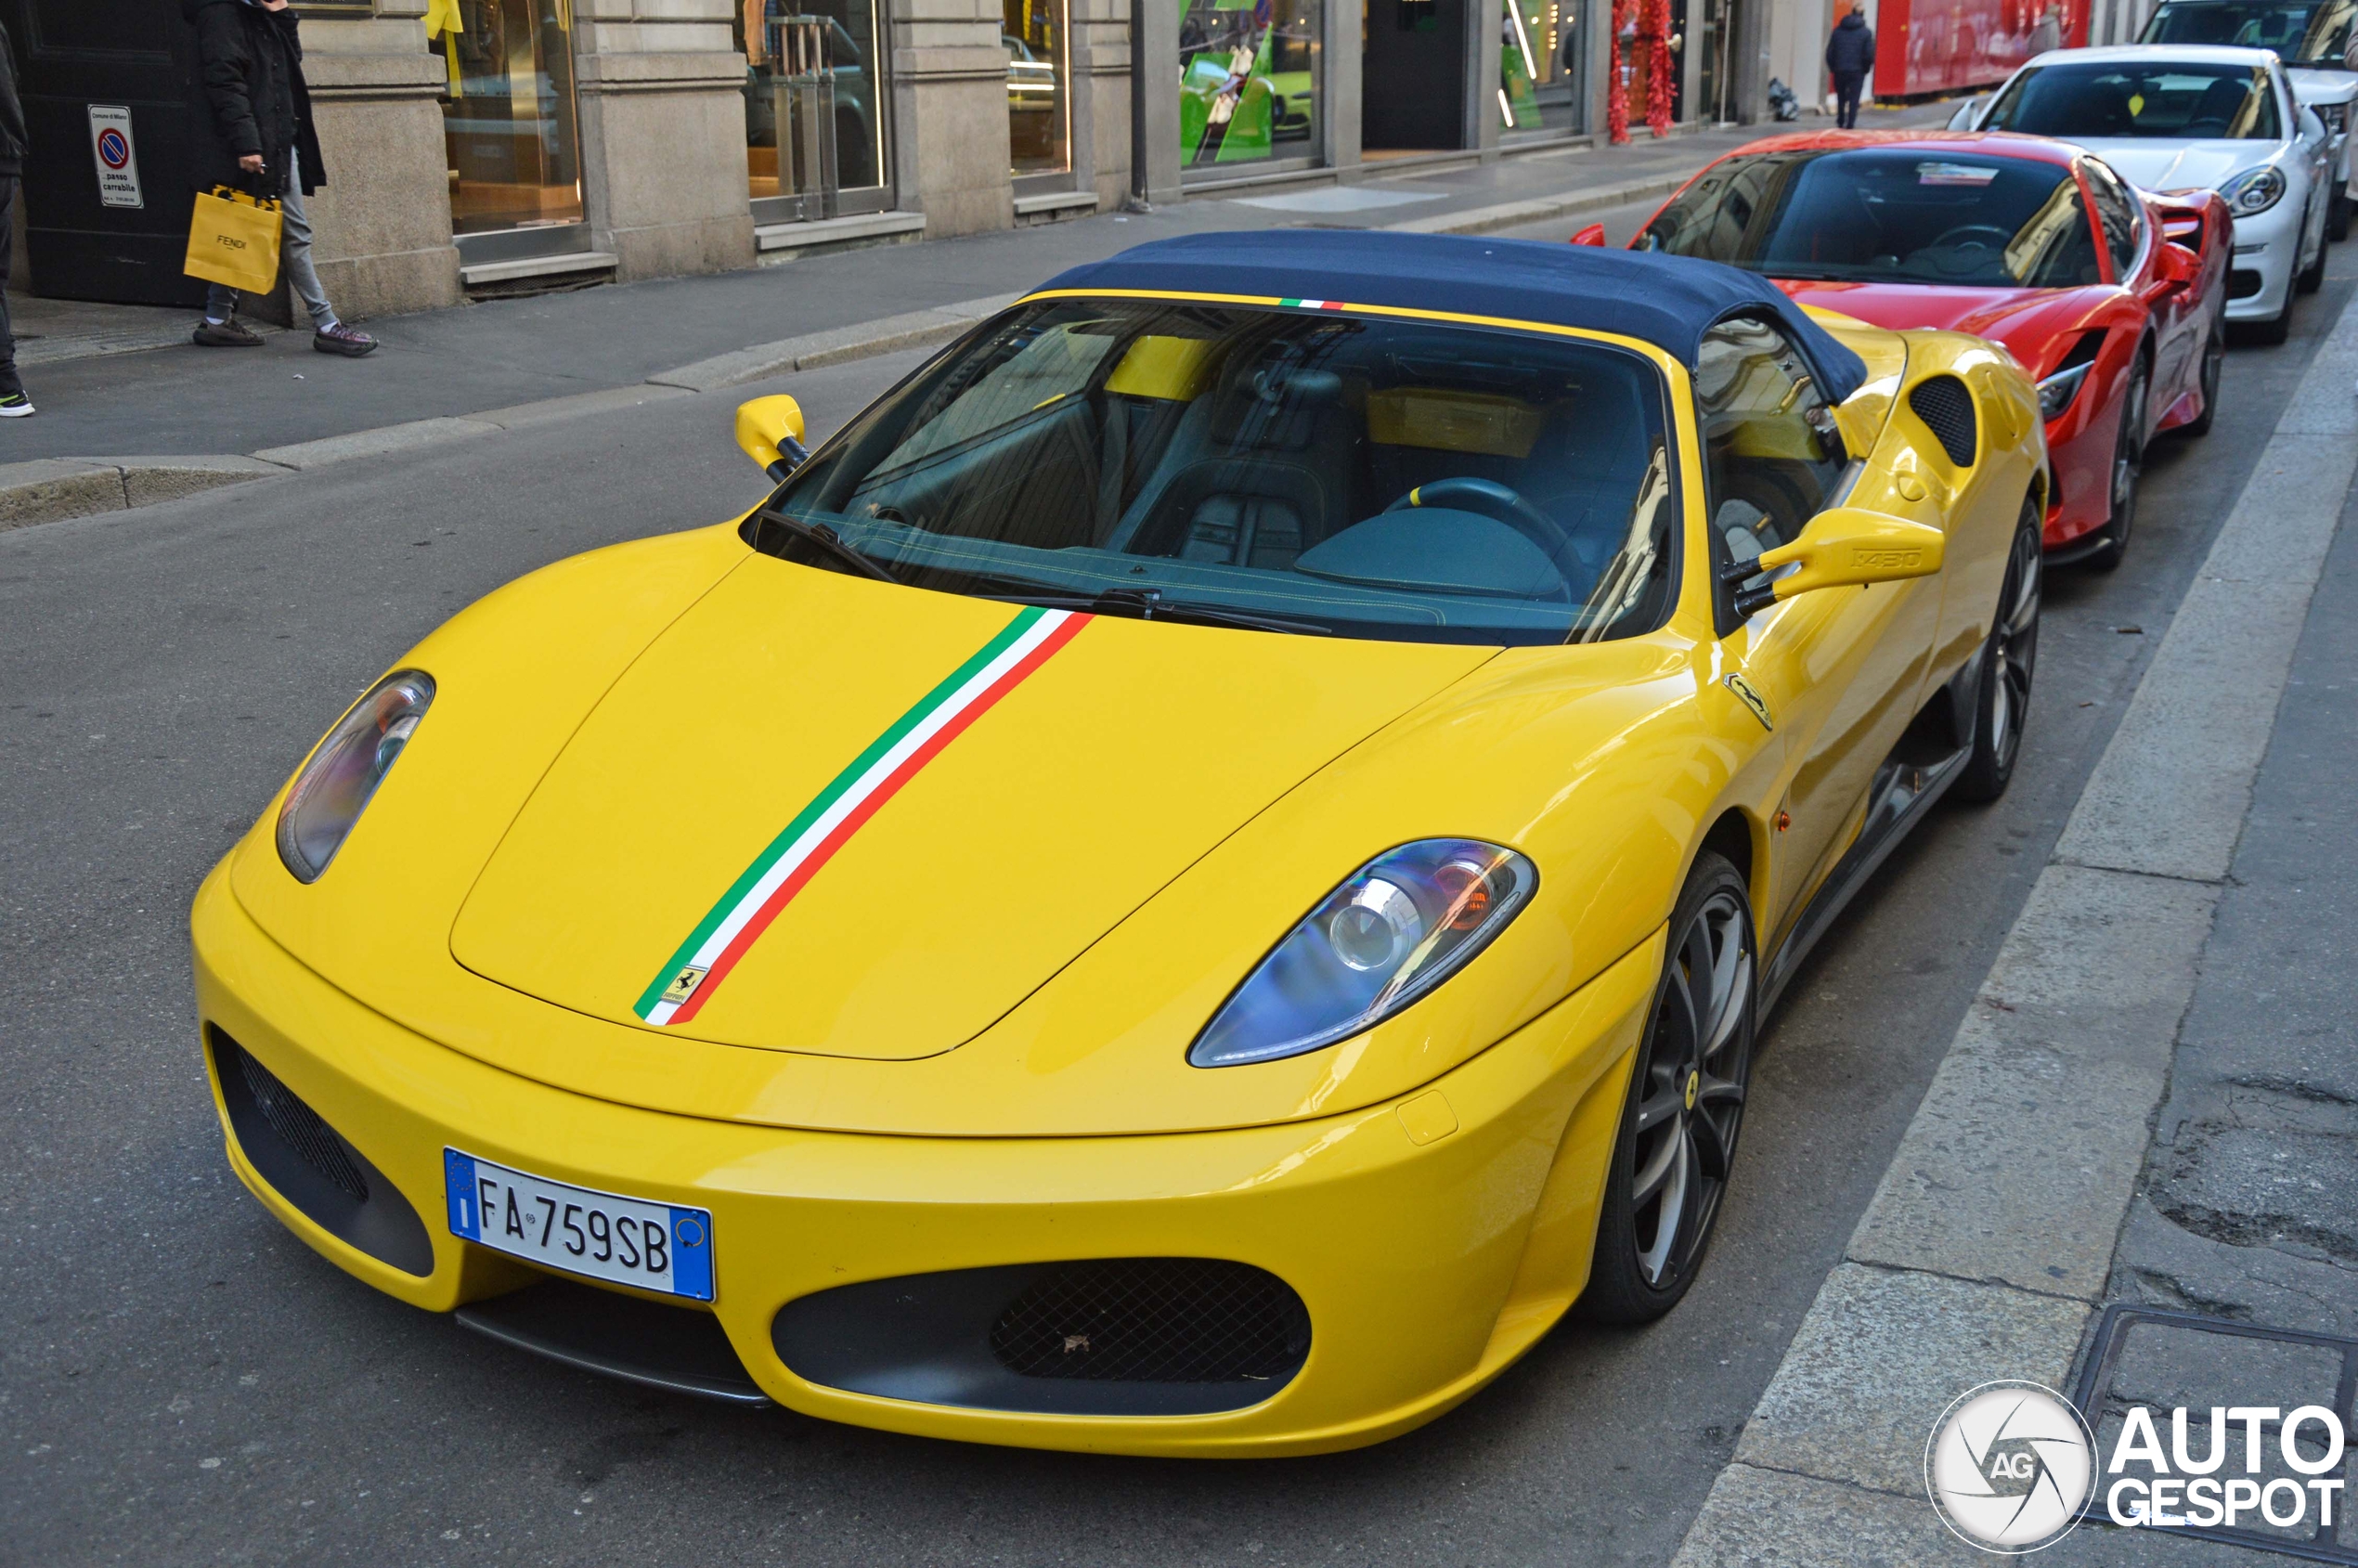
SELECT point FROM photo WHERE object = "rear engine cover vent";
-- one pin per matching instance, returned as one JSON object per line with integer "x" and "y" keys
{"x": 1164, "y": 1320}
{"x": 1946, "y": 408}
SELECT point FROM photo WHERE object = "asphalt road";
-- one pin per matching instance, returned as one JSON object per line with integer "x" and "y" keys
{"x": 181, "y": 1382}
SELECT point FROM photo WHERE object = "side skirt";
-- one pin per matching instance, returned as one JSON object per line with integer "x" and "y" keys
{"x": 1902, "y": 793}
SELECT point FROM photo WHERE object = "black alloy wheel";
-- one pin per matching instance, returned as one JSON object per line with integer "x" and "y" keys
{"x": 2214, "y": 361}
{"x": 2128, "y": 467}
{"x": 1685, "y": 1107}
{"x": 2008, "y": 662}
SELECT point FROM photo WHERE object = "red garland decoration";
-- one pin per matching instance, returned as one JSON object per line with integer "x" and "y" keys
{"x": 1617, "y": 80}
{"x": 1653, "y": 39}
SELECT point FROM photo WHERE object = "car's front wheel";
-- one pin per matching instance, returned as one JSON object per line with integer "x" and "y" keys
{"x": 2338, "y": 216}
{"x": 2128, "y": 468}
{"x": 1685, "y": 1106}
{"x": 2008, "y": 662}
{"x": 2313, "y": 277}
{"x": 2214, "y": 361}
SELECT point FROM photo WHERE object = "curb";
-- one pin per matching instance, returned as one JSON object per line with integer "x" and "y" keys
{"x": 1988, "y": 1244}
{"x": 52, "y": 489}
{"x": 1515, "y": 214}
{"x": 48, "y": 489}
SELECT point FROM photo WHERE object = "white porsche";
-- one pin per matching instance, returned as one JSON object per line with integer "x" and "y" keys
{"x": 2174, "y": 117}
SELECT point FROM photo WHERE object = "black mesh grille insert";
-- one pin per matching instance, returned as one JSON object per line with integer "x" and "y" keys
{"x": 300, "y": 1128}
{"x": 1946, "y": 408}
{"x": 1172, "y": 1320}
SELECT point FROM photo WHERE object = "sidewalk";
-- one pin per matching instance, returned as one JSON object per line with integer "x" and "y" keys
{"x": 497, "y": 355}
{"x": 2154, "y": 1100}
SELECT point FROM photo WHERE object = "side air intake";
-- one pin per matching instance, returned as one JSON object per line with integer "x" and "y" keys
{"x": 1946, "y": 408}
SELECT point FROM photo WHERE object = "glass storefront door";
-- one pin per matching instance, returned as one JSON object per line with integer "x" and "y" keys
{"x": 815, "y": 108}
{"x": 1539, "y": 75}
{"x": 1039, "y": 86}
{"x": 1248, "y": 80}
{"x": 509, "y": 121}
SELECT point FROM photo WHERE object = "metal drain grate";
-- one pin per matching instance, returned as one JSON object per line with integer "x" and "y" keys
{"x": 1946, "y": 408}
{"x": 2097, "y": 1396}
{"x": 1169, "y": 1320}
{"x": 300, "y": 1127}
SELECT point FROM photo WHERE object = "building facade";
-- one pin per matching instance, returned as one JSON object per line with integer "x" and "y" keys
{"x": 482, "y": 147}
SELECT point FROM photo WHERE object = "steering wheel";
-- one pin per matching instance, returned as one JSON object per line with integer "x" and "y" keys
{"x": 1999, "y": 239}
{"x": 1492, "y": 499}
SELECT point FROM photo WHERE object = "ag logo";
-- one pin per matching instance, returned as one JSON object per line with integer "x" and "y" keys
{"x": 2009, "y": 1465}
{"x": 1751, "y": 699}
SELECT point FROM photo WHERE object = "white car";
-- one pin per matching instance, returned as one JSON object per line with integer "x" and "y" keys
{"x": 2173, "y": 117}
{"x": 2312, "y": 37}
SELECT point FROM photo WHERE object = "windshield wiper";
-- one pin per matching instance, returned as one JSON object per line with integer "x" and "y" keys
{"x": 1152, "y": 606}
{"x": 829, "y": 543}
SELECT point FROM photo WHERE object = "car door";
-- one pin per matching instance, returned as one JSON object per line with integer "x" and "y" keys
{"x": 1836, "y": 672}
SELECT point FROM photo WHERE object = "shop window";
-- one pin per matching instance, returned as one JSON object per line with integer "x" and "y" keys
{"x": 508, "y": 121}
{"x": 1248, "y": 80}
{"x": 1039, "y": 88}
{"x": 1540, "y": 75}
{"x": 815, "y": 107}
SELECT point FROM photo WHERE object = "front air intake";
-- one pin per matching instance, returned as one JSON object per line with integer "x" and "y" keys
{"x": 311, "y": 1165}
{"x": 1946, "y": 408}
{"x": 1164, "y": 1320}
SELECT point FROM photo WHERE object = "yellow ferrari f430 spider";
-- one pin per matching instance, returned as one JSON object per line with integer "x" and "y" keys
{"x": 1188, "y": 884}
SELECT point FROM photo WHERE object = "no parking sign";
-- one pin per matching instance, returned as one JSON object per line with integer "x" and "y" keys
{"x": 117, "y": 161}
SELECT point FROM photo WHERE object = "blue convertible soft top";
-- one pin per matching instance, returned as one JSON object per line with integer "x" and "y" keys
{"x": 1669, "y": 301}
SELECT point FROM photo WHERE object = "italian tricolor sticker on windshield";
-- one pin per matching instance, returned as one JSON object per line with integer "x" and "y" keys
{"x": 823, "y": 826}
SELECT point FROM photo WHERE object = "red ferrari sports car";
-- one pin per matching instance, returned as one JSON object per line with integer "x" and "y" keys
{"x": 2113, "y": 299}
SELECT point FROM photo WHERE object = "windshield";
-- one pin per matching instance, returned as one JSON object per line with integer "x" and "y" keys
{"x": 2186, "y": 100}
{"x": 2312, "y": 34}
{"x": 1291, "y": 470}
{"x": 1887, "y": 216}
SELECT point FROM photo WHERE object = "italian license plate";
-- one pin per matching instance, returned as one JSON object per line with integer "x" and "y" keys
{"x": 628, "y": 1241}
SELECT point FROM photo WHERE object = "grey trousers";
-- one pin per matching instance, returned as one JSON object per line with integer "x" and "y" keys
{"x": 295, "y": 258}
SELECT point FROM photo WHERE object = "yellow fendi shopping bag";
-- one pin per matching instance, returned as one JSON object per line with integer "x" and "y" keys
{"x": 233, "y": 240}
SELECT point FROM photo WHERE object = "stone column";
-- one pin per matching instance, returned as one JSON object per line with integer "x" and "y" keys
{"x": 1154, "y": 87}
{"x": 950, "y": 114}
{"x": 383, "y": 221}
{"x": 663, "y": 135}
{"x": 1488, "y": 20}
{"x": 1101, "y": 90}
{"x": 1338, "y": 132}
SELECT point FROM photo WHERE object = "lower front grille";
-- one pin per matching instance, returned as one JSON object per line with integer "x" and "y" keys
{"x": 300, "y": 1126}
{"x": 2243, "y": 283}
{"x": 1165, "y": 1320}
{"x": 1099, "y": 1337}
{"x": 311, "y": 1165}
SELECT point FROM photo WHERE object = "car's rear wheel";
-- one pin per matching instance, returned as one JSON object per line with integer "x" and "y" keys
{"x": 1685, "y": 1105}
{"x": 2128, "y": 468}
{"x": 2214, "y": 361}
{"x": 2008, "y": 663}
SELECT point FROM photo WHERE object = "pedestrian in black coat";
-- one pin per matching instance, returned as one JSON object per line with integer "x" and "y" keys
{"x": 1851, "y": 55}
{"x": 14, "y": 403}
{"x": 255, "y": 134}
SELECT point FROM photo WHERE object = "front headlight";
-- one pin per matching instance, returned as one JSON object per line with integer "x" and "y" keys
{"x": 334, "y": 786}
{"x": 2058, "y": 390}
{"x": 2254, "y": 190}
{"x": 1397, "y": 927}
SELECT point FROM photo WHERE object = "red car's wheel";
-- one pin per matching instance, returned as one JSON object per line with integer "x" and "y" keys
{"x": 2128, "y": 467}
{"x": 2214, "y": 359}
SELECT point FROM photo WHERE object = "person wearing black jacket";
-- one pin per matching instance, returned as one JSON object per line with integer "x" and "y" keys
{"x": 255, "y": 133}
{"x": 14, "y": 403}
{"x": 1851, "y": 55}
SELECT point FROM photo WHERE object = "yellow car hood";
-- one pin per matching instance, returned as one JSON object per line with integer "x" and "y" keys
{"x": 1089, "y": 780}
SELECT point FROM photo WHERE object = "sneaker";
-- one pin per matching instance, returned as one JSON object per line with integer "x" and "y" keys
{"x": 232, "y": 334}
{"x": 14, "y": 405}
{"x": 340, "y": 339}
